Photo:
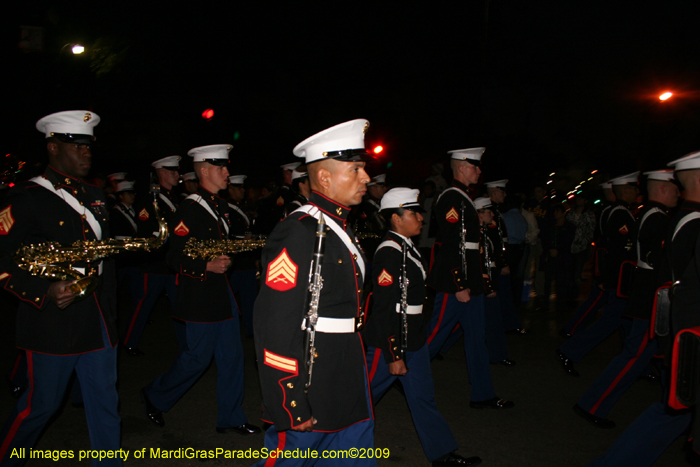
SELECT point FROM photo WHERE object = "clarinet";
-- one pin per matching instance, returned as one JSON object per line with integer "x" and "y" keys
{"x": 312, "y": 300}
{"x": 463, "y": 243}
{"x": 487, "y": 250}
{"x": 403, "y": 285}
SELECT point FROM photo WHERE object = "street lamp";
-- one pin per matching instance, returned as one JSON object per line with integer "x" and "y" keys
{"x": 665, "y": 96}
{"x": 78, "y": 49}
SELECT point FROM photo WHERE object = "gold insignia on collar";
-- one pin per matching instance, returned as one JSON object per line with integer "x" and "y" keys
{"x": 364, "y": 130}
{"x": 339, "y": 211}
{"x": 60, "y": 223}
{"x": 67, "y": 181}
{"x": 87, "y": 117}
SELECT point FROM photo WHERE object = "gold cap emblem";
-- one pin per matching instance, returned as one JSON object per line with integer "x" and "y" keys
{"x": 325, "y": 154}
{"x": 229, "y": 148}
{"x": 364, "y": 130}
{"x": 87, "y": 117}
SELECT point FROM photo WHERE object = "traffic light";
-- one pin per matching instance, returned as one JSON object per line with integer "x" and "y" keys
{"x": 208, "y": 114}
{"x": 378, "y": 149}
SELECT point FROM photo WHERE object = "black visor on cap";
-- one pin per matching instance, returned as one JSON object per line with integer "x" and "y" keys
{"x": 74, "y": 138}
{"x": 415, "y": 207}
{"x": 219, "y": 162}
{"x": 170, "y": 167}
{"x": 348, "y": 155}
{"x": 473, "y": 162}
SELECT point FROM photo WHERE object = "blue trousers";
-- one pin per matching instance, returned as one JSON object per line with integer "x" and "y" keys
{"x": 145, "y": 292}
{"x": 447, "y": 313}
{"x": 205, "y": 341}
{"x": 645, "y": 439}
{"x": 597, "y": 299}
{"x": 494, "y": 332}
{"x": 511, "y": 317}
{"x": 587, "y": 339}
{"x": 621, "y": 372}
{"x": 434, "y": 433}
{"x": 358, "y": 436}
{"x": 245, "y": 285}
{"x": 48, "y": 377}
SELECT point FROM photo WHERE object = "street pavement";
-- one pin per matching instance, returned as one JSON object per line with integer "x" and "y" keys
{"x": 542, "y": 430}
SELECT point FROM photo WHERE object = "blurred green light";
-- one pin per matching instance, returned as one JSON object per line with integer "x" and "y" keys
{"x": 389, "y": 164}
{"x": 596, "y": 201}
{"x": 236, "y": 136}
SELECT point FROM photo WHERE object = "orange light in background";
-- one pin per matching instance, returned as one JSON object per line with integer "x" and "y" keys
{"x": 595, "y": 171}
{"x": 208, "y": 114}
{"x": 378, "y": 149}
{"x": 665, "y": 96}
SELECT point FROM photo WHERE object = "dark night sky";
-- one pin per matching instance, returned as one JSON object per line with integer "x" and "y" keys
{"x": 567, "y": 86}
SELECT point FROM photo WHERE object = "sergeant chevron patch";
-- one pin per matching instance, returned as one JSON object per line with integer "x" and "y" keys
{"x": 452, "y": 216}
{"x": 385, "y": 278}
{"x": 281, "y": 273}
{"x": 6, "y": 220}
{"x": 281, "y": 363}
{"x": 181, "y": 229}
{"x": 624, "y": 230}
{"x": 143, "y": 215}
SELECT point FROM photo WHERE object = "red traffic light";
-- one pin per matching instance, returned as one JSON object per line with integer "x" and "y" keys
{"x": 378, "y": 149}
{"x": 208, "y": 114}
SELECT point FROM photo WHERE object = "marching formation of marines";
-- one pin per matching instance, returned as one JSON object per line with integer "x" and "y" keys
{"x": 332, "y": 237}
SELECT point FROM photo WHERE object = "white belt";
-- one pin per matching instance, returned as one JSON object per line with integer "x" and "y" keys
{"x": 643, "y": 265}
{"x": 492, "y": 265}
{"x": 411, "y": 310}
{"x": 335, "y": 325}
{"x": 471, "y": 245}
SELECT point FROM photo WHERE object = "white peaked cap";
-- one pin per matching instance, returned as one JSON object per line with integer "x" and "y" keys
{"x": 72, "y": 122}
{"x": 170, "y": 161}
{"x": 406, "y": 198}
{"x": 626, "y": 179}
{"x": 237, "y": 179}
{"x": 345, "y": 142}
{"x": 665, "y": 175}
{"x": 482, "y": 203}
{"x": 377, "y": 179}
{"x": 688, "y": 162}
{"x": 471, "y": 155}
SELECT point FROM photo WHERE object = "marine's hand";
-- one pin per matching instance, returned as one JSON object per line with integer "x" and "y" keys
{"x": 306, "y": 426}
{"x": 60, "y": 294}
{"x": 219, "y": 265}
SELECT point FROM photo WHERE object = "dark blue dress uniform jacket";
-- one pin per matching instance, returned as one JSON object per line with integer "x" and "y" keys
{"x": 446, "y": 272}
{"x": 384, "y": 324}
{"x": 32, "y": 214}
{"x": 650, "y": 242}
{"x": 337, "y": 396}
{"x": 202, "y": 297}
{"x": 154, "y": 262}
{"x": 619, "y": 240}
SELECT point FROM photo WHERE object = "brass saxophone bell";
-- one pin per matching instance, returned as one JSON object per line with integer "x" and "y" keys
{"x": 84, "y": 287}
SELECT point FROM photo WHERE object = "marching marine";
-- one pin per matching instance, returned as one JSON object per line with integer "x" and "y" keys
{"x": 395, "y": 333}
{"x": 457, "y": 276}
{"x": 311, "y": 360}
{"x": 60, "y": 334}
{"x": 204, "y": 302}
{"x": 155, "y": 278}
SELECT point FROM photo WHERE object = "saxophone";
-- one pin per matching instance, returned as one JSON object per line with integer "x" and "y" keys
{"x": 210, "y": 249}
{"x": 42, "y": 259}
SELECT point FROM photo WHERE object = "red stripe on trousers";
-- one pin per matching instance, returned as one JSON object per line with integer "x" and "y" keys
{"x": 13, "y": 373}
{"x": 587, "y": 311}
{"x": 23, "y": 414}
{"x": 138, "y": 309}
{"x": 281, "y": 441}
{"x": 442, "y": 313}
{"x": 375, "y": 363}
{"x": 622, "y": 373}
